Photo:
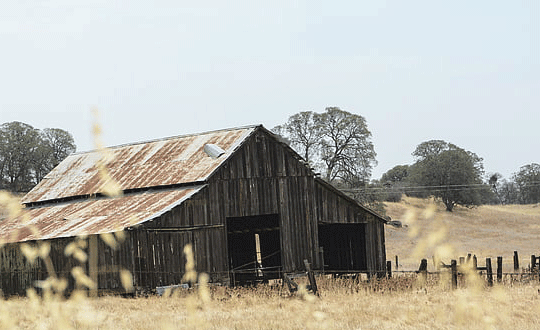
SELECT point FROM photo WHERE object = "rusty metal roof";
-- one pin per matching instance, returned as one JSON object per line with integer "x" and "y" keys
{"x": 91, "y": 216}
{"x": 164, "y": 162}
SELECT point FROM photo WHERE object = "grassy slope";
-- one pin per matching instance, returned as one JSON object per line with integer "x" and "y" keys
{"x": 487, "y": 231}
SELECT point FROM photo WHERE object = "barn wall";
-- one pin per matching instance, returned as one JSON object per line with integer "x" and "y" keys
{"x": 17, "y": 274}
{"x": 335, "y": 209}
{"x": 265, "y": 177}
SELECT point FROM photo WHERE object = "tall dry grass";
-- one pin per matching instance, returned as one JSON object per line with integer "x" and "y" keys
{"x": 342, "y": 305}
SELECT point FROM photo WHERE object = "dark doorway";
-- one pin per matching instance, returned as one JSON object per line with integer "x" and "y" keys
{"x": 254, "y": 248}
{"x": 344, "y": 247}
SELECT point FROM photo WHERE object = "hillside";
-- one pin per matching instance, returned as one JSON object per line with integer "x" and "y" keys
{"x": 486, "y": 231}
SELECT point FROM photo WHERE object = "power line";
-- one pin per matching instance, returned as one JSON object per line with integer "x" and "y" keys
{"x": 437, "y": 187}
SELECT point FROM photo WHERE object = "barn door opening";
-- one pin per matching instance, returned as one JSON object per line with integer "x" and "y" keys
{"x": 254, "y": 249}
{"x": 344, "y": 247}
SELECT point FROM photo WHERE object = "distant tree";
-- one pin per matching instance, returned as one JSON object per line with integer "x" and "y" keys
{"x": 28, "y": 154}
{"x": 448, "y": 173}
{"x": 347, "y": 150}
{"x": 18, "y": 144}
{"x": 398, "y": 173}
{"x": 508, "y": 192}
{"x": 494, "y": 181}
{"x": 527, "y": 180}
{"x": 393, "y": 181}
{"x": 303, "y": 131}
{"x": 60, "y": 143}
{"x": 336, "y": 142}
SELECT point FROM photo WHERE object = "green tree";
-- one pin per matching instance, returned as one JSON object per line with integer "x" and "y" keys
{"x": 398, "y": 173}
{"x": 18, "y": 144}
{"x": 393, "y": 182}
{"x": 447, "y": 172}
{"x": 508, "y": 192}
{"x": 28, "y": 154}
{"x": 527, "y": 180}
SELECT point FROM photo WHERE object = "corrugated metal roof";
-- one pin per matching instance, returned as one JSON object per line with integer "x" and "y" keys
{"x": 163, "y": 162}
{"x": 92, "y": 216}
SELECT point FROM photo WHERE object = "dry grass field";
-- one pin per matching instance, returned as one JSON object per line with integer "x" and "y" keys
{"x": 342, "y": 305}
{"x": 397, "y": 303}
{"x": 485, "y": 231}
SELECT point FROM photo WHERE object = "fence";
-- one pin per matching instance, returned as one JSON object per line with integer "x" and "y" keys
{"x": 469, "y": 265}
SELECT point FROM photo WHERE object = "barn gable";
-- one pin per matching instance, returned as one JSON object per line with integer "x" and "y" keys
{"x": 256, "y": 209}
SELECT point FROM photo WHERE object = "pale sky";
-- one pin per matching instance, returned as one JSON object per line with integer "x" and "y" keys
{"x": 467, "y": 72}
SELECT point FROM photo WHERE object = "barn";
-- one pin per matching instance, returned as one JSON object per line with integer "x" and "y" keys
{"x": 249, "y": 205}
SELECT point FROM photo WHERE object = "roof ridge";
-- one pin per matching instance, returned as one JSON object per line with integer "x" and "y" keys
{"x": 168, "y": 138}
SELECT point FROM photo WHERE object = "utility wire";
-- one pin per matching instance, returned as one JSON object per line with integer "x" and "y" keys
{"x": 439, "y": 187}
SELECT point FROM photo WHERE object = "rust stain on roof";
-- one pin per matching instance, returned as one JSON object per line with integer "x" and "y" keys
{"x": 92, "y": 216}
{"x": 157, "y": 163}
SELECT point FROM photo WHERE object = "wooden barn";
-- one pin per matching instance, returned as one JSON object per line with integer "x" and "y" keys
{"x": 248, "y": 204}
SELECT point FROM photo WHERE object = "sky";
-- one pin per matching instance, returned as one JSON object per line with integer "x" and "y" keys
{"x": 467, "y": 72}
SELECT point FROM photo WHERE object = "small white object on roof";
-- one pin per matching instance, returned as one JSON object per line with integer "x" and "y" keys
{"x": 213, "y": 150}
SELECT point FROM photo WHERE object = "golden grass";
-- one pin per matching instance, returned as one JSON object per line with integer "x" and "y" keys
{"x": 342, "y": 305}
{"x": 487, "y": 231}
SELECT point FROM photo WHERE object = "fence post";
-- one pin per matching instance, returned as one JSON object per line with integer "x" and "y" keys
{"x": 454, "y": 274}
{"x": 389, "y": 269}
{"x": 474, "y": 263}
{"x": 311, "y": 277}
{"x": 489, "y": 271}
{"x": 461, "y": 260}
{"x": 397, "y": 263}
{"x": 423, "y": 269}
{"x": 516, "y": 262}
{"x": 533, "y": 262}
{"x": 499, "y": 269}
{"x": 468, "y": 258}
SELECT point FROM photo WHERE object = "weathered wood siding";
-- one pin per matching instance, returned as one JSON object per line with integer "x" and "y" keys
{"x": 333, "y": 208}
{"x": 17, "y": 274}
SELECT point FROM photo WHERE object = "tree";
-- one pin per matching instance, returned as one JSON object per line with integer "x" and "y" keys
{"x": 448, "y": 173}
{"x": 398, "y": 173}
{"x": 337, "y": 142}
{"x": 303, "y": 131}
{"x": 508, "y": 192}
{"x": 18, "y": 144}
{"x": 347, "y": 150}
{"x": 393, "y": 181}
{"x": 527, "y": 180}
{"x": 494, "y": 181}
{"x": 28, "y": 154}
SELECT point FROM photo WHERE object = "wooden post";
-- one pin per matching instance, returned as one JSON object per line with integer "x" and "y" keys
{"x": 516, "y": 262}
{"x": 461, "y": 260}
{"x": 93, "y": 263}
{"x": 311, "y": 277}
{"x": 533, "y": 262}
{"x": 389, "y": 269}
{"x": 397, "y": 263}
{"x": 293, "y": 287}
{"x": 453, "y": 266}
{"x": 423, "y": 269}
{"x": 489, "y": 271}
{"x": 474, "y": 263}
{"x": 468, "y": 258}
{"x": 499, "y": 269}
